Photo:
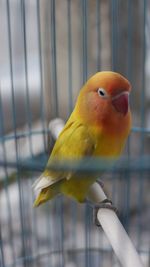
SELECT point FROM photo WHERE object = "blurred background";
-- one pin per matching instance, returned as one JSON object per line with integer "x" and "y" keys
{"x": 48, "y": 49}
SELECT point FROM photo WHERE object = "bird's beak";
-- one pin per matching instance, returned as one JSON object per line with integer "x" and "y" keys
{"x": 121, "y": 102}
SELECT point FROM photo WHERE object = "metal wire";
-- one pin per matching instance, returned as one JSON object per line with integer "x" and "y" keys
{"x": 54, "y": 58}
{"x": 84, "y": 6}
{"x": 42, "y": 110}
{"x": 98, "y": 35}
{"x": 62, "y": 232}
{"x": 69, "y": 57}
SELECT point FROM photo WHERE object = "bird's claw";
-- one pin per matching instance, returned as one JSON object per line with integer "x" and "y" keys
{"x": 105, "y": 204}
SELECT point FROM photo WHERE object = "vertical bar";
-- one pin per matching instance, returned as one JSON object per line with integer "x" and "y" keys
{"x": 62, "y": 232}
{"x": 85, "y": 75}
{"x": 129, "y": 45}
{"x": 85, "y": 39}
{"x": 127, "y": 199}
{"x": 15, "y": 126}
{"x": 129, "y": 75}
{"x": 23, "y": 4}
{"x": 98, "y": 35}
{"x": 45, "y": 18}
{"x": 28, "y": 107}
{"x": 54, "y": 58}
{"x": 143, "y": 77}
{"x": 149, "y": 255}
{"x": 84, "y": 4}
{"x": 73, "y": 210}
{"x": 42, "y": 116}
{"x": 6, "y": 182}
{"x": 35, "y": 233}
{"x": 114, "y": 35}
{"x": 2, "y": 260}
{"x": 88, "y": 219}
{"x": 69, "y": 56}
{"x": 50, "y": 230}
{"x": 42, "y": 110}
{"x": 114, "y": 54}
{"x": 142, "y": 137}
{"x": 59, "y": 224}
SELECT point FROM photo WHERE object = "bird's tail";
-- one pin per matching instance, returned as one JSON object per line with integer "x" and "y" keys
{"x": 44, "y": 190}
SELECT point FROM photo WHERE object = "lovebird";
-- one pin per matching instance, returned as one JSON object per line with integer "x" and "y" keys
{"x": 98, "y": 127}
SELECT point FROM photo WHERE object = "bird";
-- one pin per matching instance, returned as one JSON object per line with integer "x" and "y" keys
{"x": 97, "y": 127}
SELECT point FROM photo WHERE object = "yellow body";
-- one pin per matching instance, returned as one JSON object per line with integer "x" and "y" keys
{"x": 94, "y": 129}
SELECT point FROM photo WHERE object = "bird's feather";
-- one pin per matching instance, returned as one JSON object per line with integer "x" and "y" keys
{"x": 74, "y": 134}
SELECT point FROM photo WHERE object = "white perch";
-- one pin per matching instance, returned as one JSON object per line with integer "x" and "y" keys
{"x": 116, "y": 234}
{"x": 55, "y": 126}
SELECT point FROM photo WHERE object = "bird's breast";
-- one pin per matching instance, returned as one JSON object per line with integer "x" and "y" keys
{"x": 108, "y": 147}
{"x": 107, "y": 144}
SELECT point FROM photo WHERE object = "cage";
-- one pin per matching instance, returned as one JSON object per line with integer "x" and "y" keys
{"x": 48, "y": 50}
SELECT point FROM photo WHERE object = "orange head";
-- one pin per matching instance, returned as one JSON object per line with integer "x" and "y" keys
{"x": 104, "y": 100}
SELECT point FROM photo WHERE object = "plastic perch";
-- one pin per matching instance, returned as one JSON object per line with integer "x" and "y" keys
{"x": 114, "y": 230}
{"x": 116, "y": 234}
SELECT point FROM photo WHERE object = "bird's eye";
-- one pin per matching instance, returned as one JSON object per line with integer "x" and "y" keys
{"x": 102, "y": 92}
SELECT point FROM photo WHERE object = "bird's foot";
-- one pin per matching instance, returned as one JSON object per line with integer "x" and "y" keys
{"x": 105, "y": 204}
